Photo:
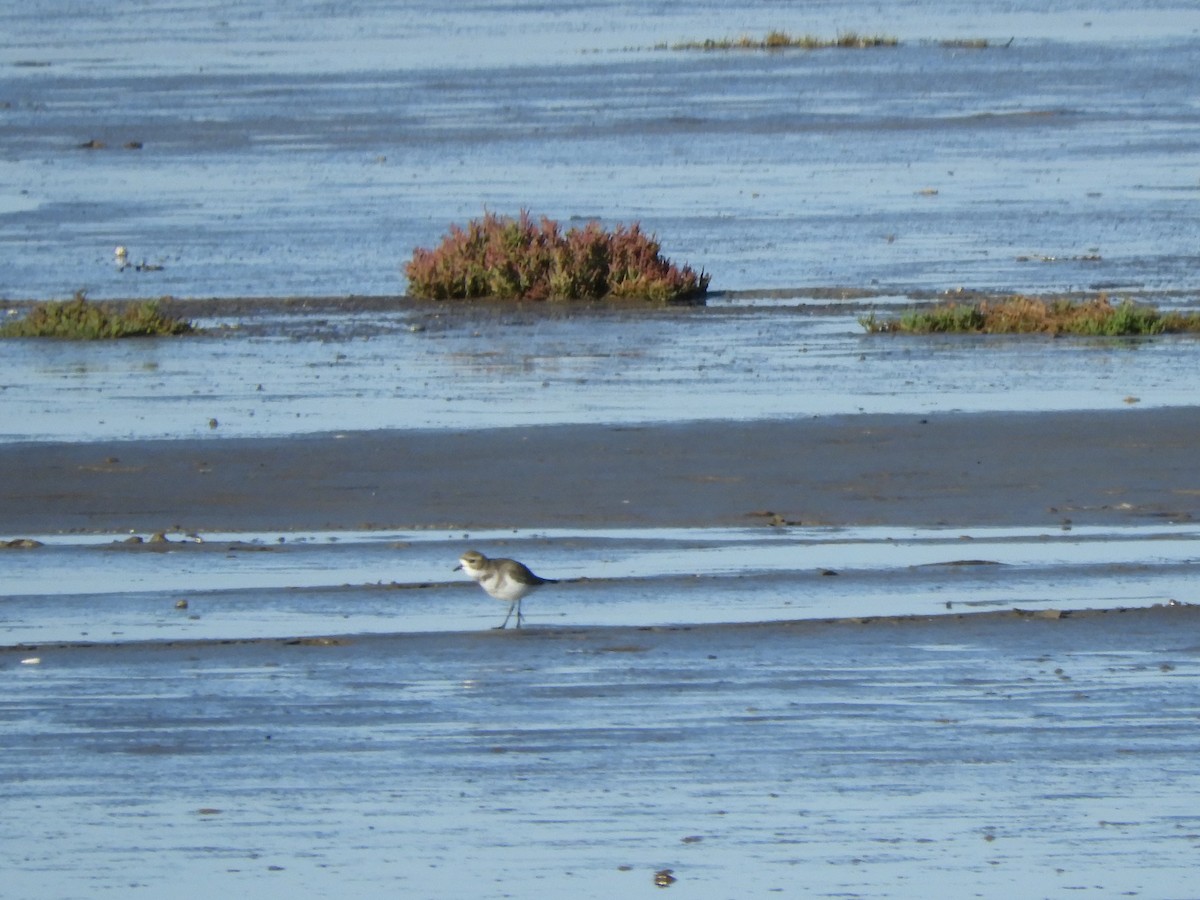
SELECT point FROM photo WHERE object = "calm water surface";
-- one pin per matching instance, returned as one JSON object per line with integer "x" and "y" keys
{"x": 304, "y": 149}
{"x": 318, "y": 373}
{"x": 308, "y": 148}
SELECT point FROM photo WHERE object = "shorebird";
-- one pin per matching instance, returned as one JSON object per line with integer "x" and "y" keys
{"x": 505, "y": 579}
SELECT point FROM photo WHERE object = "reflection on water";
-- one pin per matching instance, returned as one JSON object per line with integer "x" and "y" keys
{"x": 454, "y": 371}
{"x": 282, "y": 585}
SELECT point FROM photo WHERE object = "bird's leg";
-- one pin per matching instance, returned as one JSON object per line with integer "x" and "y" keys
{"x": 519, "y": 616}
{"x": 504, "y": 624}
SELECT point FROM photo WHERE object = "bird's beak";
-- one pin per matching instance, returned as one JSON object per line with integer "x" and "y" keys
{"x": 456, "y": 568}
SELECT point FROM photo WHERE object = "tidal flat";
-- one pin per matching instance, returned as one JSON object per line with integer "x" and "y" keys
{"x": 838, "y": 614}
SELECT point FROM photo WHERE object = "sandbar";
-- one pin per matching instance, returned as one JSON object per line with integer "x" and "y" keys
{"x": 1127, "y": 466}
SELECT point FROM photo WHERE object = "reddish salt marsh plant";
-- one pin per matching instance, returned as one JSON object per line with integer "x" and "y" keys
{"x": 782, "y": 40}
{"x": 500, "y": 257}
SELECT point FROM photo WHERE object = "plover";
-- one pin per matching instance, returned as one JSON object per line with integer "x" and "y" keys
{"x": 505, "y": 579}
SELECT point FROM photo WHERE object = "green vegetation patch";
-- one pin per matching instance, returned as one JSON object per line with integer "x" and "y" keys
{"x": 78, "y": 319}
{"x": 499, "y": 257}
{"x": 1033, "y": 315}
{"x": 782, "y": 40}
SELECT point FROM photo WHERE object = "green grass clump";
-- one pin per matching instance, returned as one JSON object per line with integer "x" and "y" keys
{"x": 499, "y": 257}
{"x": 782, "y": 40}
{"x": 78, "y": 319}
{"x": 1033, "y": 315}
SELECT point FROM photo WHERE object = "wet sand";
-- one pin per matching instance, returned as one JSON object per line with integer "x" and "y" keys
{"x": 996, "y": 754}
{"x": 1128, "y": 466}
{"x": 981, "y": 755}
{"x": 1000, "y": 755}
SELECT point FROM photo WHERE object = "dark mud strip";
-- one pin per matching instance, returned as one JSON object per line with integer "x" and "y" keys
{"x": 1126, "y": 466}
{"x": 954, "y": 623}
{"x": 989, "y": 755}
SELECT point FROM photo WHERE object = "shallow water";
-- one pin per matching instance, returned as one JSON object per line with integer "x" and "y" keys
{"x": 101, "y": 589}
{"x": 328, "y": 373}
{"x": 1013, "y": 758}
{"x": 307, "y": 149}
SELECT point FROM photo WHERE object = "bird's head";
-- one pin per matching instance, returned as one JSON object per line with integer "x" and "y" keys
{"x": 471, "y": 561}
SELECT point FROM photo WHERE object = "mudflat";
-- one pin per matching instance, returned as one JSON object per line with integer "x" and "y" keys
{"x": 810, "y": 759}
{"x": 954, "y": 469}
{"x": 863, "y": 756}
